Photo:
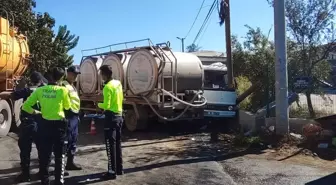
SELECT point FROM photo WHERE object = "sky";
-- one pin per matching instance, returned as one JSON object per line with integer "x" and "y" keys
{"x": 103, "y": 22}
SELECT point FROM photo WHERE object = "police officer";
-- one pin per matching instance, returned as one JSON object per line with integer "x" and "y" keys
{"x": 29, "y": 124}
{"x": 112, "y": 106}
{"x": 53, "y": 99}
{"x": 72, "y": 116}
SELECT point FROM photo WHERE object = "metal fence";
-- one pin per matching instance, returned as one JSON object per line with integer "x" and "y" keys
{"x": 323, "y": 105}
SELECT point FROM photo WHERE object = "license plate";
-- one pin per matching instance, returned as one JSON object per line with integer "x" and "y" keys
{"x": 213, "y": 113}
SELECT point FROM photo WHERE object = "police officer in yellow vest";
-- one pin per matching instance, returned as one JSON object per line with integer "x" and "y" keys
{"x": 72, "y": 116}
{"x": 53, "y": 99}
{"x": 113, "y": 107}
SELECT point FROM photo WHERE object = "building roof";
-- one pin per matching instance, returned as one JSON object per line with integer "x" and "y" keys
{"x": 205, "y": 53}
{"x": 210, "y": 57}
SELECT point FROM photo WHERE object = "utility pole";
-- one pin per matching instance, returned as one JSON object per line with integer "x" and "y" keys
{"x": 281, "y": 82}
{"x": 182, "y": 40}
{"x": 214, "y": 133}
{"x": 228, "y": 44}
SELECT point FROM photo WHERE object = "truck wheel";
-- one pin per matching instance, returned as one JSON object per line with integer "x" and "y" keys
{"x": 134, "y": 124}
{"x": 17, "y": 111}
{"x": 5, "y": 118}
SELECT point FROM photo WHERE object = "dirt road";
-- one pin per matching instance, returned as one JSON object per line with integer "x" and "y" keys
{"x": 159, "y": 157}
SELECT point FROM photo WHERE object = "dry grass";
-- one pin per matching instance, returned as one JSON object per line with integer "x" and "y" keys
{"x": 303, "y": 112}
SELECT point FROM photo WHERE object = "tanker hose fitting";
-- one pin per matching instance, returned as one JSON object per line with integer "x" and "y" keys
{"x": 187, "y": 103}
{"x": 185, "y": 109}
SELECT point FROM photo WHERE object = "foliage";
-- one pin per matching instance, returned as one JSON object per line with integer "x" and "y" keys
{"x": 254, "y": 58}
{"x": 243, "y": 84}
{"x": 63, "y": 43}
{"x": 46, "y": 49}
{"x": 309, "y": 28}
{"x": 193, "y": 48}
{"x": 241, "y": 140}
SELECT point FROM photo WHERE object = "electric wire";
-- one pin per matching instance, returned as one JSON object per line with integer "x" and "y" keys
{"x": 206, "y": 28}
{"x": 205, "y": 20}
{"x": 192, "y": 26}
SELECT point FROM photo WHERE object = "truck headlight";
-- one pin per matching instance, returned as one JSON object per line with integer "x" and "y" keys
{"x": 230, "y": 108}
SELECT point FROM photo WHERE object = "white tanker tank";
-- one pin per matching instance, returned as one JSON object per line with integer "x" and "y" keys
{"x": 141, "y": 72}
{"x": 89, "y": 78}
{"x": 157, "y": 82}
{"x": 119, "y": 64}
{"x": 145, "y": 69}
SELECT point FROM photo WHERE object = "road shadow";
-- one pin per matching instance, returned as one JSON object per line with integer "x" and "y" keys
{"x": 156, "y": 131}
{"x": 329, "y": 179}
{"x": 95, "y": 178}
{"x": 8, "y": 176}
{"x": 194, "y": 160}
{"x": 92, "y": 149}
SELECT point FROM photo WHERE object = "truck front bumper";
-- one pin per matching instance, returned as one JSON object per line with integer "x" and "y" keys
{"x": 220, "y": 113}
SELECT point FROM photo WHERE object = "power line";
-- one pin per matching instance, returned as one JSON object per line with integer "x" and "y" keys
{"x": 206, "y": 27}
{"x": 205, "y": 20}
{"x": 195, "y": 19}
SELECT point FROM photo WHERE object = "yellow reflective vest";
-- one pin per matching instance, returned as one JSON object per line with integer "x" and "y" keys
{"x": 113, "y": 97}
{"x": 74, "y": 98}
{"x": 53, "y": 100}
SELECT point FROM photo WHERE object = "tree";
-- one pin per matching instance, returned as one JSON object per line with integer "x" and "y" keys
{"x": 310, "y": 34}
{"x": 254, "y": 59}
{"x": 38, "y": 27}
{"x": 193, "y": 48}
{"x": 40, "y": 43}
{"x": 63, "y": 43}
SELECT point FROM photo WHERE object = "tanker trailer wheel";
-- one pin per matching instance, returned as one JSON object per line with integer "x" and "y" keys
{"x": 134, "y": 124}
{"x": 5, "y": 118}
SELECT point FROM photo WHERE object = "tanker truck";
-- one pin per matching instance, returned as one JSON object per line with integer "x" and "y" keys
{"x": 14, "y": 60}
{"x": 159, "y": 85}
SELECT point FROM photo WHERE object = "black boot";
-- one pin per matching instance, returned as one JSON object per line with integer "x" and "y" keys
{"x": 120, "y": 172}
{"x": 214, "y": 137}
{"x": 109, "y": 176}
{"x": 24, "y": 177}
{"x": 70, "y": 166}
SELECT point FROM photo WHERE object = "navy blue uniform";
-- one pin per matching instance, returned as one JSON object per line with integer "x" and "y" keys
{"x": 72, "y": 133}
{"x": 28, "y": 129}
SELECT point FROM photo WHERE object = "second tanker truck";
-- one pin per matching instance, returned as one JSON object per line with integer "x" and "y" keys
{"x": 159, "y": 85}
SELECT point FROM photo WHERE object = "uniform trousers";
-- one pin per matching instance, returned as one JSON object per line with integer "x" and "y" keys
{"x": 112, "y": 131}
{"x": 27, "y": 135}
{"x": 52, "y": 138}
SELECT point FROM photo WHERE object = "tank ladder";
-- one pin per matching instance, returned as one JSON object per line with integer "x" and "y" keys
{"x": 165, "y": 59}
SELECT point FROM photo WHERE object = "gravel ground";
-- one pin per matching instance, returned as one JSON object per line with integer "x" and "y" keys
{"x": 161, "y": 157}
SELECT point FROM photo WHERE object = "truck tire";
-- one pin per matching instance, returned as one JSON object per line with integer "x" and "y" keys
{"x": 132, "y": 123}
{"x": 17, "y": 112}
{"x": 5, "y": 118}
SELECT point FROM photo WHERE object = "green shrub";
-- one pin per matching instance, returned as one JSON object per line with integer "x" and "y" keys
{"x": 243, "y": 84}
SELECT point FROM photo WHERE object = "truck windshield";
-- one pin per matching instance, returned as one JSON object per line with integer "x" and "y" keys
{"x": 215, "y": 80}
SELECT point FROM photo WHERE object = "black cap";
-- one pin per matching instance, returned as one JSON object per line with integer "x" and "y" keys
{"x": 74, "y": 69}
{"x": 36, "y": 77}
{"x": 57, "y": 73}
